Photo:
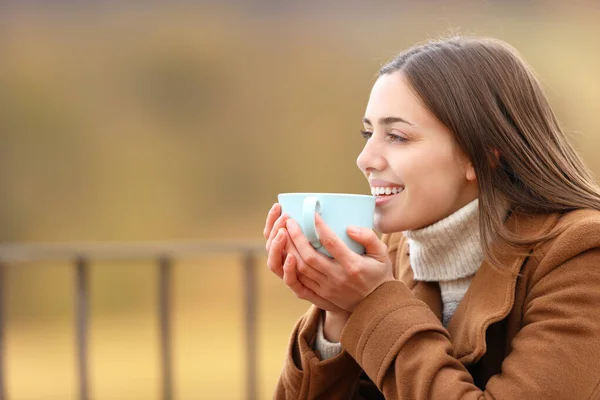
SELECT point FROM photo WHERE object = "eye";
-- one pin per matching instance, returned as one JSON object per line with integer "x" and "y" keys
{"x": 393, "y": 138}
{"x": 366, "y": 134}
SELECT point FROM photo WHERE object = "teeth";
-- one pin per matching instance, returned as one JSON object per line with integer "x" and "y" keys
{"x": 379, "y": 191}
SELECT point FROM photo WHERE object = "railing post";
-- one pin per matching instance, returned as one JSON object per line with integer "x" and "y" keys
{"x": 164, "y": 316}
{"x": 250, "y": 301}
{"x": 81, "y": 312}
{"x": 2, "y": 324}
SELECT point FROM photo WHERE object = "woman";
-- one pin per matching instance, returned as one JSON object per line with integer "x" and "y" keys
{"x": 486, "y": 282}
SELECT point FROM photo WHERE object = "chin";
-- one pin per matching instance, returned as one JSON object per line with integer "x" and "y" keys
{"x": 386, "y": 226}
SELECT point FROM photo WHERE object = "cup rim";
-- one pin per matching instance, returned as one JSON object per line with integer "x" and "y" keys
{"x": 325, "y": 194}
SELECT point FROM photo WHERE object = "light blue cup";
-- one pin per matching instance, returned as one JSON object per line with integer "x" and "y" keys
{"x": 338, "y": 210}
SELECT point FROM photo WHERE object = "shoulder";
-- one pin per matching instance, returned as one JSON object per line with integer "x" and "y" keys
{"x": 578, "y": 232}
{"x": 580, "y": 217}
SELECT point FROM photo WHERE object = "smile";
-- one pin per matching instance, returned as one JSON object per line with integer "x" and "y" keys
{"x": 385, "y": 191}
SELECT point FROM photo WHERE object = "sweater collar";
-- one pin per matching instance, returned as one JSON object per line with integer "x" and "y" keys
{"x": 449, "y": 249}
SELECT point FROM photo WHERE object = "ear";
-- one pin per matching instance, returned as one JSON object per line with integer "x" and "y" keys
{"x": 470, "y": 173}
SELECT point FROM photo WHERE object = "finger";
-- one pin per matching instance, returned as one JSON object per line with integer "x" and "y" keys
{"x": 280, "y": 223}
{"x": 275, "y": 256}
{"x": 306, "y": 281}
{"x": 272, "y": 216}
{"x": 318, "y": 261}
{"x": 309, "y": 272}
{"x": 374, "y": 247}
{"x": 302, "y": 267}
{"x": 334, "y": 245}
{"x": 274, "y": 229}
{"x": 290, "y": 278}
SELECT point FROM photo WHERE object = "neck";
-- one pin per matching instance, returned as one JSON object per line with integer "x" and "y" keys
{"x": 449, "y": 249}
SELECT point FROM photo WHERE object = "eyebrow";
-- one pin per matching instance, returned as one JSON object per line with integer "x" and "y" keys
{"x": 388, "y": 121}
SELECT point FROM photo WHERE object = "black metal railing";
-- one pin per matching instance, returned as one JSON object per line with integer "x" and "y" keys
{"x": 164, "y": 255}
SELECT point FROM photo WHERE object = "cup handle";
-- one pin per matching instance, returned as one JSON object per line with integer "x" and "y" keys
{"x": 310, "y": 206}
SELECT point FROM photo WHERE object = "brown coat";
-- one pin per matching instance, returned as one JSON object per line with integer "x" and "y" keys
{"x": 531, "y": 336}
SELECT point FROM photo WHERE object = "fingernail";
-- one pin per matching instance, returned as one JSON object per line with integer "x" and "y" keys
{"x": 272, "y": 208}
{"x": 354, "y": 230}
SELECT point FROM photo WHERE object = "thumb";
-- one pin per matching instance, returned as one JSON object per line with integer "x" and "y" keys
{"x": 367, "y": 237}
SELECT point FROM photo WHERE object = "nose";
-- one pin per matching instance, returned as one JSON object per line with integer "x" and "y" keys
{"x": 371, "y": 157}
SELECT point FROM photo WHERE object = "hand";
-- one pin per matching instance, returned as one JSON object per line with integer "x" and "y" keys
{"x": 348, "y": 278}
{"x": 300, "y": 287}
{"x": 283, "y": 264}
{"x": 275, "y": 222}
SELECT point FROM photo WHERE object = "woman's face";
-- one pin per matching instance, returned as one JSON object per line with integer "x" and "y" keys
{"x": 413, "y": 155}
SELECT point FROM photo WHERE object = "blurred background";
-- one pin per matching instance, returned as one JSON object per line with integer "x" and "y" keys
{"x": 124, "y": 122}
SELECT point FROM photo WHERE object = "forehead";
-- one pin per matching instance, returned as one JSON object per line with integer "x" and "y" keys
{"x": 392, "y": 95}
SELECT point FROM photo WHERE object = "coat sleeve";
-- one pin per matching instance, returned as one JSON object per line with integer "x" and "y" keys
{"x": 306, "y": 376}
{"x": 406, "y": 351}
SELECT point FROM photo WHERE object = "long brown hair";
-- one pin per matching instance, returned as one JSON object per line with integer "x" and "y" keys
{"x": 484, "y": 92}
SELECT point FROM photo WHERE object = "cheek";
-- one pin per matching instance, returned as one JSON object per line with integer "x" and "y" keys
{"x": 434, "y": 185}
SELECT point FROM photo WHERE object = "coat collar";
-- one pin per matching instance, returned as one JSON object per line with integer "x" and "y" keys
{"x": 490, "y": 296}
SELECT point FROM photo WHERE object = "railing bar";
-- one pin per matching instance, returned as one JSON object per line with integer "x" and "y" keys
{"x": 164, "y": 316}
{"x": 2, "y": 330}
{"x": 29, "y": 252}
{"x": 82, "y": 306}
{"x": 250, "y": 290}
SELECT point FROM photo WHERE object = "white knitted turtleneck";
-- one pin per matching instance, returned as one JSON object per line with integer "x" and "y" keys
{"x": 448, "y": 252}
